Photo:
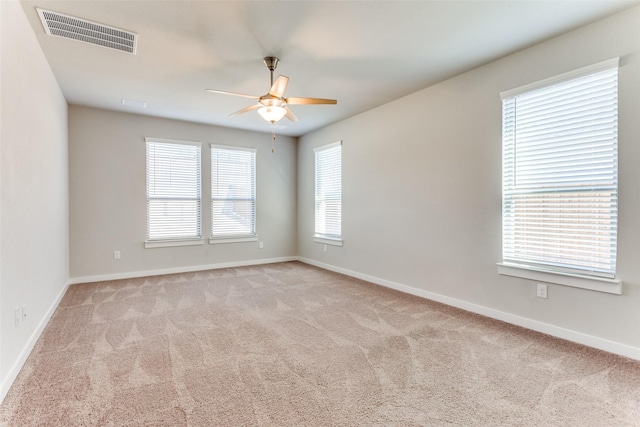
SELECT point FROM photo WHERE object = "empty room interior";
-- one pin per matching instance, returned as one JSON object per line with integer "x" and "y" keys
{"x": 320, "y": 213}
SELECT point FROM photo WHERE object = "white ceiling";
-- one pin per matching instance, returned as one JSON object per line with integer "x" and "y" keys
{"x": 362, "y": 53}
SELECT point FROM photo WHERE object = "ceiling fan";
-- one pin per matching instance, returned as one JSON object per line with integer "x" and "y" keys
{"x": 273, "y": 106}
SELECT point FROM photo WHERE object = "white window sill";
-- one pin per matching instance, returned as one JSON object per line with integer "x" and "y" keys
{"x": 327, "y": 240}
{"x": 600, "y": 284}
{"x": 220, "y": 240}
{"x": 169, "y": 243}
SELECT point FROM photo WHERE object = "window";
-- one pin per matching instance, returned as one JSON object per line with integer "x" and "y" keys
{"x": 328, "y": 194}
{"x": 560, "y": 173}
{"x": 233, "y": 194}
{"x": 173, "y": 192}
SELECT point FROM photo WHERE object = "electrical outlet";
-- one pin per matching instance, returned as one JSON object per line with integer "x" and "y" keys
{"x": 542, "y": 290}
{"x": 261, "y": 245}
{"x": 116, "y": 254}
{"x": 325, "y": 248}
{"x": 17, "y": 316}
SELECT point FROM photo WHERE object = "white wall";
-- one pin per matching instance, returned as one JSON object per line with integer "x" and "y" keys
{"x": 108, "y": 195}
{"x": 422, "y": 192}
{"x": 34, "y": 226}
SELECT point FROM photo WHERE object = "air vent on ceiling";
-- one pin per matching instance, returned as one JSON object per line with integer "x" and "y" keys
{"x": 57, "y": 24}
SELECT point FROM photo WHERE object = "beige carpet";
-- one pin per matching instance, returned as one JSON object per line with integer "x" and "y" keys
{"x": 292, "y": 345}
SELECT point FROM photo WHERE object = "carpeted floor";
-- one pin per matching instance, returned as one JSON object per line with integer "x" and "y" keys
{"x": 293, "y": 345}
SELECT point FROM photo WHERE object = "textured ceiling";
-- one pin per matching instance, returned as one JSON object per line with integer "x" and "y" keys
{"x": 363, "y": 54}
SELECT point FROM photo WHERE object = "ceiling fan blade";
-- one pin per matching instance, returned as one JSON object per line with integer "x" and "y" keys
{"x": 308, "y": 101}
{"x": 224, "y": 92}
{"x": 244, "y": 110}
{"x": 278, "y": 87}
{"x": 289, "y": 115}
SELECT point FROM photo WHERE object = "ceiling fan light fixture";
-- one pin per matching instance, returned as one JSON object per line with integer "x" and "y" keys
{"x": 272, "y": 113}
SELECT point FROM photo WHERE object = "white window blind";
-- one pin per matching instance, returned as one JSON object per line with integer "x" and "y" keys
{"x": 173, "y": 190}
{"x": 560, "y": 173}
{"x": 233, "y": 192}
{"x": 328, "y": 191}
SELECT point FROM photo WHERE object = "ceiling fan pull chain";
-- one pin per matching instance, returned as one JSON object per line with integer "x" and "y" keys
{"x": 273, "y": 137}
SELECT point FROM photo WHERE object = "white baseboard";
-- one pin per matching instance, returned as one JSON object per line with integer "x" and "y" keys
{"x": 31, "y": 342}
{"x": 535, "y": 325}
{"x": 174, "y": 270}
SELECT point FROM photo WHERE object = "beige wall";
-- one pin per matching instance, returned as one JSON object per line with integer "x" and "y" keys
{"x": 108, "y": 194}
{"x": 34, "y": 219}
{"x": 422, "y": 191}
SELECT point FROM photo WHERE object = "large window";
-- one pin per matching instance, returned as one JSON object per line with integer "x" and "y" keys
{"x": 233, "y": 194}
{"x": 560, "y": 173}
{"x": 328, "y": 193}
{"x": 173, "y": 191}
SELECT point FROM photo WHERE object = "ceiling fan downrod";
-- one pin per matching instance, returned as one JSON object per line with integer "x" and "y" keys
{"x": 272, "y": 63}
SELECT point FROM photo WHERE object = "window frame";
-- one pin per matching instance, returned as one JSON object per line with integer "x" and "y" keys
{"x": 185, "y": 240}
{"x": 235, "y": 237}
{"x": 319, "y": 237}
{"x": 549, "y": 273}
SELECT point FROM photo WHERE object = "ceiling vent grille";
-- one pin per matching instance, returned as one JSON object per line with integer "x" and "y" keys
{"x": 57, "y": 24}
